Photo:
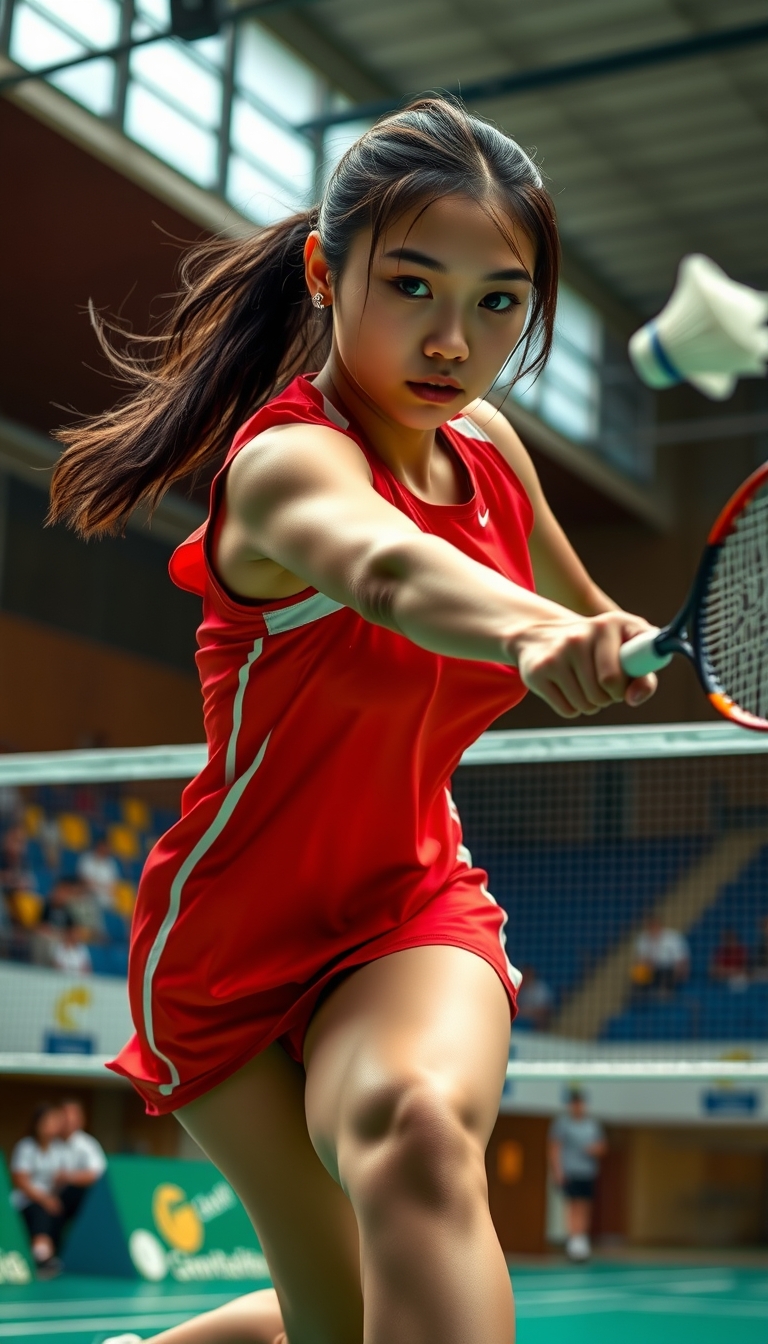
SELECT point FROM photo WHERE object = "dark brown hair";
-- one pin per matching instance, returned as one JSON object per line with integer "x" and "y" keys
{"x": 243, "y": 325}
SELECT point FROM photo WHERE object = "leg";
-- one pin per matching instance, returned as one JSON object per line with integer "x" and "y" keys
{"x": 405, "y": 1067}
{"x": 253, "y": 1127}
{"x": 44, "y": 1231}
{"x": 580, "y": 1217}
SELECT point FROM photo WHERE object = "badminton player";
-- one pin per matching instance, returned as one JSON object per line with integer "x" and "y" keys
{"x": 319, "y": 980}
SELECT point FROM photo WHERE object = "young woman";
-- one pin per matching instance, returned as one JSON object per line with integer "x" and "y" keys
{"x": 319, "y": 981}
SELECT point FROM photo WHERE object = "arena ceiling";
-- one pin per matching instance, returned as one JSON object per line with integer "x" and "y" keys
{"x": 645, "y": 165}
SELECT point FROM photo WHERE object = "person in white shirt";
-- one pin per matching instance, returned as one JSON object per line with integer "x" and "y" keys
{"x": 68, "y": 953}
{"x": 100, "y": 872}
{"x": 84, "y": 1159}
{"x": 36, "y": 1164}
{"x": 661, "y": 957}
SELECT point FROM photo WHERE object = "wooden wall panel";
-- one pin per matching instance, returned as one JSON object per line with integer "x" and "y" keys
{"x": 516, "y": 1163}
{"x": 58, "y": 691}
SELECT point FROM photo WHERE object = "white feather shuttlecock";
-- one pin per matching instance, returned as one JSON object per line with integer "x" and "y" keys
{"x": 711, "y": 333}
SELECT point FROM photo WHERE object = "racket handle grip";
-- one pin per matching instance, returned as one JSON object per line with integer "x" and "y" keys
{"x": 640, "y": 656}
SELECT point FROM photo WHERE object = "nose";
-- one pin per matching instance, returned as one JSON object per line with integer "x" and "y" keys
{"x": 448, "y": 341}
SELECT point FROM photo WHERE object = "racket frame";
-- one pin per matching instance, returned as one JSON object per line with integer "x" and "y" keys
{"x": 682, "y": 634}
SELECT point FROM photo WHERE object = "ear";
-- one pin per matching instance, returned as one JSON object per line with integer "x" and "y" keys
{"x": 316, "y": 269}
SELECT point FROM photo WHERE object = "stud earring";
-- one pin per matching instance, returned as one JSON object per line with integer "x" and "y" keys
{"x": 318, "y": 301}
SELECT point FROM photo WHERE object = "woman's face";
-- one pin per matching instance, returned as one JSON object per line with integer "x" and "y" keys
{"x": 447, "y": 303}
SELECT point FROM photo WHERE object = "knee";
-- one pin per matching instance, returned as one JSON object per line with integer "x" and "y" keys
{"x": 411, "y": 1141}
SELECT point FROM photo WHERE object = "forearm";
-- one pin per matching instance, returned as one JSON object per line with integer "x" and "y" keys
{"x": 443, "y": 601}
{"x": 28, "y": 1188}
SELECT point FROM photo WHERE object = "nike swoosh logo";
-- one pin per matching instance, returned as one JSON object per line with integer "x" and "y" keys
{"x": 482, "y": 518}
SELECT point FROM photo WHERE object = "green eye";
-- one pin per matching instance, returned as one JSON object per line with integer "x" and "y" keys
{"x": 499, "y": 303}
{"x": 413, "y": 287}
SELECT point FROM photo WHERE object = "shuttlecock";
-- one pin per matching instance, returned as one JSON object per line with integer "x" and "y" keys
{"x": 711, "y": 333}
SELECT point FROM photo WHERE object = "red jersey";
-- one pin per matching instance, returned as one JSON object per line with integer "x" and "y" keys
{"x": 321, "y": 833}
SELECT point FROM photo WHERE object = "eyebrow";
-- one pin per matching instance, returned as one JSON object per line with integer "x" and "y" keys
{"x": 432, "y": 264}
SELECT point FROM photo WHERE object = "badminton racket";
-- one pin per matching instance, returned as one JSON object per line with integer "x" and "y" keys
{"x": 723, "y": 625}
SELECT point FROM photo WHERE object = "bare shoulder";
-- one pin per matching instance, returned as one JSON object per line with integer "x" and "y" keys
{"x": 295, "y": 458}
{"x": 495, "y": 424}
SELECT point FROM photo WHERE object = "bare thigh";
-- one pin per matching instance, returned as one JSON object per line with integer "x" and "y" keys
{"x": 437, "y": 1015}
{"x": 253, "y": 1128}
{"x": 405, "y": 1067}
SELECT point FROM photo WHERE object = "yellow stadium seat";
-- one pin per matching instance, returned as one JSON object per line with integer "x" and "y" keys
{"x": 125, "y": 899}
{"x": 641, "y": 974}
{"x": 27, "y": 907}
{"x": 136, "y": 814}
{"x": 74, "y": 831}
{"x": 34, "y": 816}
{"x": 123, "y": 841}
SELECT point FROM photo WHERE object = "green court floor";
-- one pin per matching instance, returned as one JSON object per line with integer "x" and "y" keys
{"x": 596, "y": 1305}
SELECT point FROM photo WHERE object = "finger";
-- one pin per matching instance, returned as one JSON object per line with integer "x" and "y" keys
{"x": 585, "y": 669}
{"x": 641, "y": 689}
{"x": 570, "y": 686}
{"x": 553, "y": 696}
{"x": 608, "y": 669}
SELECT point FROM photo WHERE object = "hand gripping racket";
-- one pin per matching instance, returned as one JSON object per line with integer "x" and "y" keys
{"x": 723, "y": 626}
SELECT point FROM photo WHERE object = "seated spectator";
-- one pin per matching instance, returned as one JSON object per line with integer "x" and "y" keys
{"x": 36, "y": 1164}
{"x": 87, "y": 912}
{"x": 69, "y": 953}
{"x": 15, "y": 869}
{"x": 100, "y": 873}
{"x": 730, "y": 960}
{"x": 58, "y": 914}
{"x": 535, "y": 1001}
{"x": 760, "y": 959}
{"x": 71, "y": 905}
{"x": 48, "y": 837}
{"x": 662, "y": 957}
{"x": 85, "y": 1161}
{"x": 18, "y": 892}
{"x": 10, "y": 803}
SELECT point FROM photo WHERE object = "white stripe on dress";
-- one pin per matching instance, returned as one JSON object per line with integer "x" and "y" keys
{"x": 234, "y": 794}
{"x": 469, "y": 429}
{"x": 301, "y": 613}
{"x": 237, "y": 709}
{"x": 277, "y": 622}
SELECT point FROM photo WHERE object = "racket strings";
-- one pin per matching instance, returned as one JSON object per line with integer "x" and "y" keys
{"x": 734, "y": 617}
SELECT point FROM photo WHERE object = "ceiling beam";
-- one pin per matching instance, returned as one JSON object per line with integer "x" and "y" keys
{"x": 718, "y": 42}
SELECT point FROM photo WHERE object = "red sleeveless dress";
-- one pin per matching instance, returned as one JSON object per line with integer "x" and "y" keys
{"x": 321, "y": 834}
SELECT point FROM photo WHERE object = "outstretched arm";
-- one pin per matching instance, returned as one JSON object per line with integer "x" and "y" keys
{"x": 300, "y": 500}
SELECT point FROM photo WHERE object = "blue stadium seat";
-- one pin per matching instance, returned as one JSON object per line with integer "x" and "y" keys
{"x": 117, "y": 929}
{"x": 109, "y": 959}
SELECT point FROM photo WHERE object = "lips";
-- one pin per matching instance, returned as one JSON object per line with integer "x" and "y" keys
{"x": 438, "y": 392}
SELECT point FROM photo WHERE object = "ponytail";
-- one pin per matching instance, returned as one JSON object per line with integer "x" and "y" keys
{"x": 242, "y": 326}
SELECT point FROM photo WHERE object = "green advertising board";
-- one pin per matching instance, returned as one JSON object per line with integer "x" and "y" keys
{"x": 157, "y": 1218}
{"x": 15, "y": 1260}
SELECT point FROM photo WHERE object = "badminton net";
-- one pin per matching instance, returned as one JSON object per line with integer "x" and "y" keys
{"x": 632, "y": 865}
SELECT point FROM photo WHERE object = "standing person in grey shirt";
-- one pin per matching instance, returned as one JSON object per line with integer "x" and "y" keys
{"x": 576, "y": 1144}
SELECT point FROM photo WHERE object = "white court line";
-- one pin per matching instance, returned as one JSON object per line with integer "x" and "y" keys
{"x": 659, "y": 1279}
{"x": 577, "y": 1305}
{"x": 82, "y": 1326}
{"x": 703, "y": 1286}
{"x": 68, "y": 1307}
